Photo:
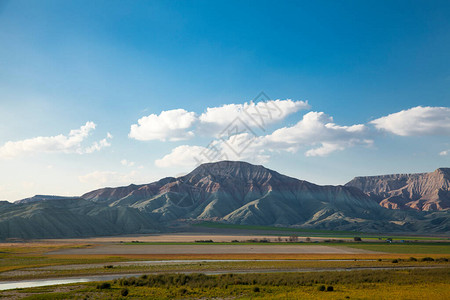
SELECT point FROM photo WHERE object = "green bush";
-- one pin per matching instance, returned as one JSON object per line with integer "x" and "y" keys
{"x": 317, "y": 279}
{"x": 395, "y": 261}
{"x": 124, "y": 292}
{"x": 427, "y": 259}
{"x": 256, "y": 289}
{"x": 104, "y": 285}
{"x": 412, "y": 259}
{"x": 330, "y": 288}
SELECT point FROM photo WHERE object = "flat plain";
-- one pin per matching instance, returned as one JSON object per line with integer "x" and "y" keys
{"x": 252, "y": 253}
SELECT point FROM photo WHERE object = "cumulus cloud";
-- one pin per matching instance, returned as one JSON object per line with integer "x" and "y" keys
{"x": 127, "y": 163}
{"x": 316, "y": 132}
{"x": 179, "y": 124}
{"x": 444, "y": 153}
{"x": 72, "y": 143}
{"x": 416, "y": 121}
{"x": 183, "y": 156}
{"x": 190, "y": 156}
{"x": 169, "y": 125}
{"x": 253, "y": 114}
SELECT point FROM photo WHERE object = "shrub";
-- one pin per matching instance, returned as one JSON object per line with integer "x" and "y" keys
{"x": 427, "y": 259}
{"x": 124, "y": 292}
{"x": 442, "y": 259}
{"x": 395, "y": 261}
{"x": 104, "y": 285}
{"x": 412, "y": 259}
{"x": 330, "y": 288}
{"x": 108, "y": 267}
{"x": 321, "y": 288}
{"x": 256, "y": 289}
{"x": 182, "y": 291}
{"x": 357, "y": 239}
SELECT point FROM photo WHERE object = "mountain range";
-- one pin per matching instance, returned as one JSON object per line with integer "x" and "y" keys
{"x": 238, "y": 193}
{"x": 423, "y": 191}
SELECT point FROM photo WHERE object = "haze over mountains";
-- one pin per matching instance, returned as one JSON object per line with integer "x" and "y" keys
{"x": 238, "y": 193}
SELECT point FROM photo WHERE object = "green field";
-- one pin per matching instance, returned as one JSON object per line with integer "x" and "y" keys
{"x": 386, "y": 284}
{"x": 286, "y": 231}
{"x": 411, "y": 248}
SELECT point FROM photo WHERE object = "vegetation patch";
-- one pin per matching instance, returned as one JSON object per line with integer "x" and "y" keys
{"x": 370, "y": 284}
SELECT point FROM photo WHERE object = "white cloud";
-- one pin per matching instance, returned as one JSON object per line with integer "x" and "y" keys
{"x": 97, "y": 146}
{"x": 324, "y": 150}
{"x": 72, "y": 143}
{"x": 190, "y": 156}
{"x": 183, "y": 156}
{"x": 127, "y": 163}
{"x": 315, "y": 131}
{"x": 169, "y": 125}
{"x": 179, "y": 124}
{"x": 416, "y": 121}
{"x": 253, "y": 114}
{"x": 444, "y": 153}
{"x": 109, "y": 178}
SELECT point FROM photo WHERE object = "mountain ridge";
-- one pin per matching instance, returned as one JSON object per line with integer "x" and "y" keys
{"x": 419, "y": 191}
{"x": 226, "y": 191}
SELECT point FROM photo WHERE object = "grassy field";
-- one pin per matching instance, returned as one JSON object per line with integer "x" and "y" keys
{"x": 285, "y": 231}
{"x": 31, "y": 261}
{"x": 228, "y": 266}
{"x": 32, "y": 255}
{"x": 28, "y": 262}
{"x": 392, "y": 284}
{"x": 411, "y": 248}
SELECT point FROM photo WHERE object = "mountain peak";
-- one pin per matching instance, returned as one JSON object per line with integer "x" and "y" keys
{"x": 228, "y": 167}
{"x": 444, "y": 171}
{"x": 236, "y": 170}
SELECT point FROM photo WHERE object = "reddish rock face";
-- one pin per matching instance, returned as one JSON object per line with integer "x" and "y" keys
{"x": 422, "y": 191}
{"x": 239, "y": 193}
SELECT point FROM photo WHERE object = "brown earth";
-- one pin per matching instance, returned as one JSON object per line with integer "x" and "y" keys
{"x": 209, "y": 249}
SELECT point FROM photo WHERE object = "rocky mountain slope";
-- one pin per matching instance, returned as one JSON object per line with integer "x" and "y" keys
{"x": 69, "y": 217}
{"x": 242, "y": 193}
{"x": 423, "y": 191}
{"x": 227, "y": 191}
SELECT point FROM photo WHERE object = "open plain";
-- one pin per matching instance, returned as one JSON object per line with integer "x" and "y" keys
{"x": 27, "y": 269}
{"x": 209, "y": 249}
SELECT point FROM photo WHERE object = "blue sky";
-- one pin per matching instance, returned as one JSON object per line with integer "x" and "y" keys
{"x": 364, "y": 88}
